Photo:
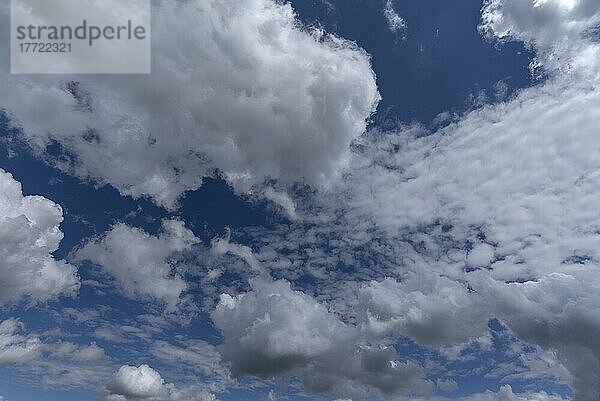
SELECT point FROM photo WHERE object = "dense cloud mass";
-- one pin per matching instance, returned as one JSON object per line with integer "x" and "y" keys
{"x": 29, "y": 234}
{"x": 237, "y": 86}
{"x": 424, "y": 308}
{"x": 142, "y": 265}
{"x": 132, "y": 383}
{"x": 274, "y": 331}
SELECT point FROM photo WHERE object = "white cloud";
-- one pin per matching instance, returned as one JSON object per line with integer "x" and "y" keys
{"x": 224, "y": 246}
{"x": 141, "y": 264}
{"x": 29, "y": 234}
{"x": 235, "y": 85}
{"x": 283, "y": 201}
{"x": 141, "y": 382}
{"x": 132, "y": 383}
{"x": 15, "y": 347}
{"x": 66, "y": 364}
{"x": 50, "y": 363}
{"x": 274, "y": 331}
{"x": 191, "y": 360}
{"x": 506, "y": 394}
{"x": 481, "y": 255}
{"x": 432, "y": 310}
{"x": 561, "y": 31}
{"x": 395, "y": 22}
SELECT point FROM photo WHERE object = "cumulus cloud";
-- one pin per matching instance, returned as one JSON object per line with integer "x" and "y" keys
{"x": 274, "y": 331}
{"x": 29, "y": 234}
{"x": 132, "y": 383}
{"x": 141, "y": 264}
{"x": 562, "y": 32}
{"x": 237, "y": 86}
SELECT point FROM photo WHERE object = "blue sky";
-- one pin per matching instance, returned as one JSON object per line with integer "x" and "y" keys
{"x": 314, "y": 200}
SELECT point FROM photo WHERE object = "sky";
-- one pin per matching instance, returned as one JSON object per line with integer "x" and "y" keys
{"x": 310, "y": 200}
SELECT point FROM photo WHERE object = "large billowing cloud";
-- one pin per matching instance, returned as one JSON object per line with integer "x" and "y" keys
{"x": 132, "y": 383}
{"x": 141, "y": 264}
{"x": 29, "y": 234}
{"x": 238, "y": 86}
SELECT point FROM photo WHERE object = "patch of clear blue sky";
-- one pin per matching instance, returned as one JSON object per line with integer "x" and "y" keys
{"x": 439, "y": 63}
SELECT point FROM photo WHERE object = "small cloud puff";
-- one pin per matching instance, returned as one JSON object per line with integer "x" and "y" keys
{"x": 132, "y": 383}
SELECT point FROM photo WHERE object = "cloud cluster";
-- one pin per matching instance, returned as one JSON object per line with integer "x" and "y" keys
{"x": 237, "y": 86}
{"x": 141, "y": 264}
{"x": 506, "y": 394}
{"x": 132, "y": 383}
{"x": 507, "y": 195}
{"x": 64, "y": 364}
{"x": 424, "y": 308}
{"x": 49, "y": 362}
{"x": 29, "y": 234}
{"x": 492, "y": 216}
{"x": 14, "y": 346}
{"x": 274, "y": 331}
